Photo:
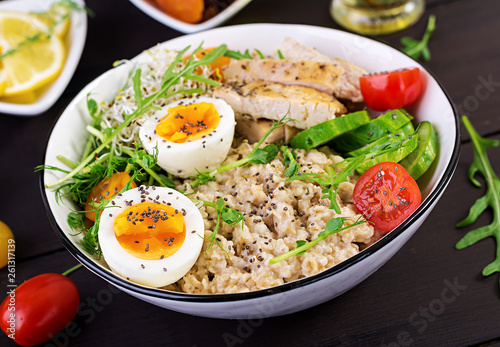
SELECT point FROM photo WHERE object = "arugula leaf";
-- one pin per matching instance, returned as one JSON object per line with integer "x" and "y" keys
{"x": 415, "y": 48}
{"x": 333, "y": 226}
{"x": 481, "y": 164}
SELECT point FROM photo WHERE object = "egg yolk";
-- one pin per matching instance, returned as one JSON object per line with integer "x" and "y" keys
{"x": 106, "y": 189}
{"x": 186, "y": 123}
{"x": 150, "y": 231}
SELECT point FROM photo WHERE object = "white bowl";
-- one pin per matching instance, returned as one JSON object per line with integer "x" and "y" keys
{"x": 67, "y": 139}
{"x": 75, "y": 40}
{"x": 151, "y": 9}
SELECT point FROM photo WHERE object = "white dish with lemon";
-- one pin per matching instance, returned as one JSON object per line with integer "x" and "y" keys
{"x": 39, "y": 85}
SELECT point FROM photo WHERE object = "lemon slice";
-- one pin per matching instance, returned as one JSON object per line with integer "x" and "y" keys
{"x": 24, "y": 98}
{"x": 57, "y": 18}
{"x": 3, "y": 81}
{"x": 34, "y": 64}
{"x": 3, "y": 77}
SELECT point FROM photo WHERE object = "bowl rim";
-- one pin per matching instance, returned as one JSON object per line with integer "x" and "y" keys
{"x": 212, "y": 298}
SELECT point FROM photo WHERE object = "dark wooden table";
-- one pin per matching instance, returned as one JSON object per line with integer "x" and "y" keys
{"x": 402, "y": 304}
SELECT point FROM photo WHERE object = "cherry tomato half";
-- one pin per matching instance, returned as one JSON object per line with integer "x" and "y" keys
{"x": 39, "y": 308}
{"x": 386, "y": 194}
{"x": 391, "y": 90}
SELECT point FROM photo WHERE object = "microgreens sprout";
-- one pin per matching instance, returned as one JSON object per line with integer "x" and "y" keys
{"x": 169, "y": 79}
{"x": 333, "y": 226}
{"x": 329, "y": 180}
{"x": 238, "y": 55}
{"x": 256, "y": 156}
{"x": 290, "y": 161}
{"x": 226, "y": 214}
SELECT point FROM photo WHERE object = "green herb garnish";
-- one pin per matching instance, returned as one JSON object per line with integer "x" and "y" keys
{"x": 333, "y": 226}
{"x": 238, "y": 55}
{"x": 290, "y": 161}
{"x": 226, "y": 214}
{"x": 257, "y": 156}
{"x": 415, "y": 48}
{"x": 330, "y": 181}
{"x": 144, "y": 104}
{"x": 491, "y": 199}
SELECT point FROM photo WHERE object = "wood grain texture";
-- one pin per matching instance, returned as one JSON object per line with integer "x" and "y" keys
{"x": 407, "y": 302}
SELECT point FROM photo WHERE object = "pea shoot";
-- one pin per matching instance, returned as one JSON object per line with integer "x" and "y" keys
{"x": 226, "y": 214}
{"x": 333, "y": 226}
{"x": 256, "y": 156}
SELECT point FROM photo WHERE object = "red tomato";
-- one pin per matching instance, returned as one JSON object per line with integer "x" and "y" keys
{"x": 387, "y": 195}
{"x": 39, "y": 308}
{"x": 391, "y": 90}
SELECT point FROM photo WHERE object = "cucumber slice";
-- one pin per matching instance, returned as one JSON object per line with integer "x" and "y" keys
{"x": 402, "y": 133}
{"x": 419, "y": 161}
{"x": 395, "y": 155}
{"x": 323, "y": 132}
{"x": 385, "y": 124}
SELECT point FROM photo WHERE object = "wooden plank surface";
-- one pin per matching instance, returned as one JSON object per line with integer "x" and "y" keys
{"x": 403, "y": 302}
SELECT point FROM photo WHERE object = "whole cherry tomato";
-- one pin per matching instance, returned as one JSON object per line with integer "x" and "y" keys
{"x": 39, "y": 308}
{"x": 391, "y": 90}
{"x": 387, "y": 195}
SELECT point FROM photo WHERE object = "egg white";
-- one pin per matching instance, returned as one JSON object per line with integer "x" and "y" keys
{"x": 153, "y": 273}
{"x": 189, "y": 158}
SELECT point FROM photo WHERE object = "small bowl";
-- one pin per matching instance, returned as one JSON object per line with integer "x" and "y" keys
{"x": 151, "y": 9}
{"x": 74, "y": 42}
{"x": 434, "y": 105}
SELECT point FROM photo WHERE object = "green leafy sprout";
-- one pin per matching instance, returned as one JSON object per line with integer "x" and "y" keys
{"x": 144, "y": 104}
{"x": 415, "y": 48}
{"x": 481, "y": 164}
{"x": 333, "y": 226}
{"x": 100, "y": 160}
{"x": 330, "y": 182}
{"x": 256, "y": 156}
{"x": 226, "y": 214}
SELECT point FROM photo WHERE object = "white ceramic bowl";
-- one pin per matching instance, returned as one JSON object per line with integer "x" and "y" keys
{"x": 74, "y": 43}
{"x": 151, "y": 9}
{"x": 434, "y": 105}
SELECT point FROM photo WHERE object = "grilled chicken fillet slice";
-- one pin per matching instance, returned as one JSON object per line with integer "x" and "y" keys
{"x": 322, "y": 76}
{"x": 261, "y": 99}
{"x": 349, "y": 78}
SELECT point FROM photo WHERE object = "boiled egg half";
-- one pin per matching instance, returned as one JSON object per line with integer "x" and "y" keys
{"x": 190, "y": 135}
{"x": 151, "y": 235}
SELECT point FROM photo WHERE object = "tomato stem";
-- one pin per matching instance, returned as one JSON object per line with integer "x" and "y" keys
{"x": 67, "y": 272}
